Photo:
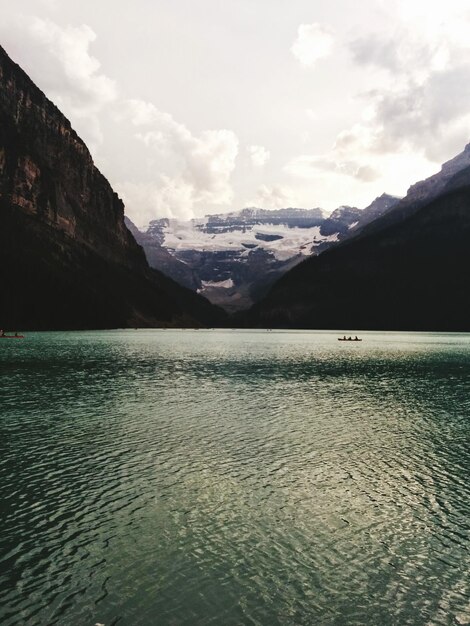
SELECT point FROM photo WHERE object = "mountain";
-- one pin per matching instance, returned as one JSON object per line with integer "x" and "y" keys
{"x": 234, "y": 258}
{"x": 422, "y": 193}
{"x": 412, "y": 273}
{"x": 160, "y": 258}
{"x": 426, "y": 190}
{"x": 376, "y": 209}
{"x": 67, "y": 260}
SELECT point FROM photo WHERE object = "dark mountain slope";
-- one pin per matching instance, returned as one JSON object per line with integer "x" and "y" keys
{"x": 67, "y": 260}
{"x": 452, "y": 175}
{"x": 376, "y": 209}
{"x": 159, "y": 258}
{"x": 412, "y": 275}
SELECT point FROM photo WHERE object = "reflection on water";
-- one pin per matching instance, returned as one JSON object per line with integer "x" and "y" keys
{"x": 221, "y": 477}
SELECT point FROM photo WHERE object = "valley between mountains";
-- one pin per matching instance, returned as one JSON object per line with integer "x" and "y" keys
{"x": 70, "y": 259}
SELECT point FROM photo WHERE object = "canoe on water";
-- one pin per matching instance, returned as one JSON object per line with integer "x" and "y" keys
{"x": 11, "y": 336}
{"x": 350, "y": 340}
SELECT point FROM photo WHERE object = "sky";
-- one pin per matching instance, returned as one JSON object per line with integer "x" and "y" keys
{"x": 191, "y": 108}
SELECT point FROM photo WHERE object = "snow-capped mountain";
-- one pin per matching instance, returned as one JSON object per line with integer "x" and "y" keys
{"x": 284, "y": 233}
{"x": 233, "y": 258}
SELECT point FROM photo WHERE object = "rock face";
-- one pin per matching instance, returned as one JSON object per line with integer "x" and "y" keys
{"x": 234, "y": 258}
{"x": 67, "y": 259}
{"x": 412, "y": 274}
{"x": 341, "y": 221}
{"x": 376, "y": 209}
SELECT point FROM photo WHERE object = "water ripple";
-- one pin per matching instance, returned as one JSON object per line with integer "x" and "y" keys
{"x": 227, "y": 477}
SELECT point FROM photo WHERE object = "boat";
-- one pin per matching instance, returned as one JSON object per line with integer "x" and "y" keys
{"x": 343, "y": 339}
{"x": 11, "y": 336}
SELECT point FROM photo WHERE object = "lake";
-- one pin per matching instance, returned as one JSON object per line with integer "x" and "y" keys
{"x": 225, "y": 477}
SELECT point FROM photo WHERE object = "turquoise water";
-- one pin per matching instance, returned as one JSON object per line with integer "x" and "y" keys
{"x": 234, "y": 477}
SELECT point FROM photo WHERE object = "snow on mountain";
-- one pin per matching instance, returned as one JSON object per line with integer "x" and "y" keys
{"x": 221, "y": 284}
{"x": 233, "y": 258}
{"x": 282, "y": 240}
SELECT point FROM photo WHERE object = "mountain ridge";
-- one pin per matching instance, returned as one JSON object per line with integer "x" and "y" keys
{"x": 423, "y": 192}
{"x": 233, "y": 258}
{"x": 411, "y": 274}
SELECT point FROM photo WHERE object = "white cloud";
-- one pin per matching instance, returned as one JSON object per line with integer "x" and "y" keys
{"x": 311, "y": 114}
{"x": 76, "y": 77}
{"x": 312, "y": 44}
{"x": 273, "y": 197}
{"x": 305, "y": 166}
{"x": 422, "y": 117}
{"x": 432, "y": 16}
{"x": 188, "y": 169}
{"x": 417, "y": 109}
{"x": 178, "y": 169}
{"x": 50, "y": 4}
{"x": 417, "y": 115}
{"x": 392, "y": 104}
{"x": 259, "y": 155}
{"x": 164, "y": 197}
{"x": 70, "y": 75}
{"x": 421, "y": 102}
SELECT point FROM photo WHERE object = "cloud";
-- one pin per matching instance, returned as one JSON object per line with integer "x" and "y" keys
{"x": 378, "y": 51}
{"x": 416, "y": 112}
{"x": 366, "y": 173}
{"x": 423, "y": 117}
{"x": 188, "y": 169}
{"x": 171, "y": 169}
{"x": 421, "y": 103}
{"x": 76, "y": 75}
{"x": 165, "y": 197}
{"x": 68, "y": 72}
{"x": 259, "y": 155}
{"x": 312, "y": 44}
{"x": 413, "y": 115}
{"x": 50, "y": 4}
{"x": 273, "y": 197}
{"x": 429, "y": 116}
{"x": 305, "y": 166}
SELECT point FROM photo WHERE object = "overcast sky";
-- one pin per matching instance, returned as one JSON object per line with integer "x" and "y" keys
{"x": 192, "y": 107}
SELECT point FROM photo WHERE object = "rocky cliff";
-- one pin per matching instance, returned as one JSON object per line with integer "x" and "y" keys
{"x": 67, "y": 259}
